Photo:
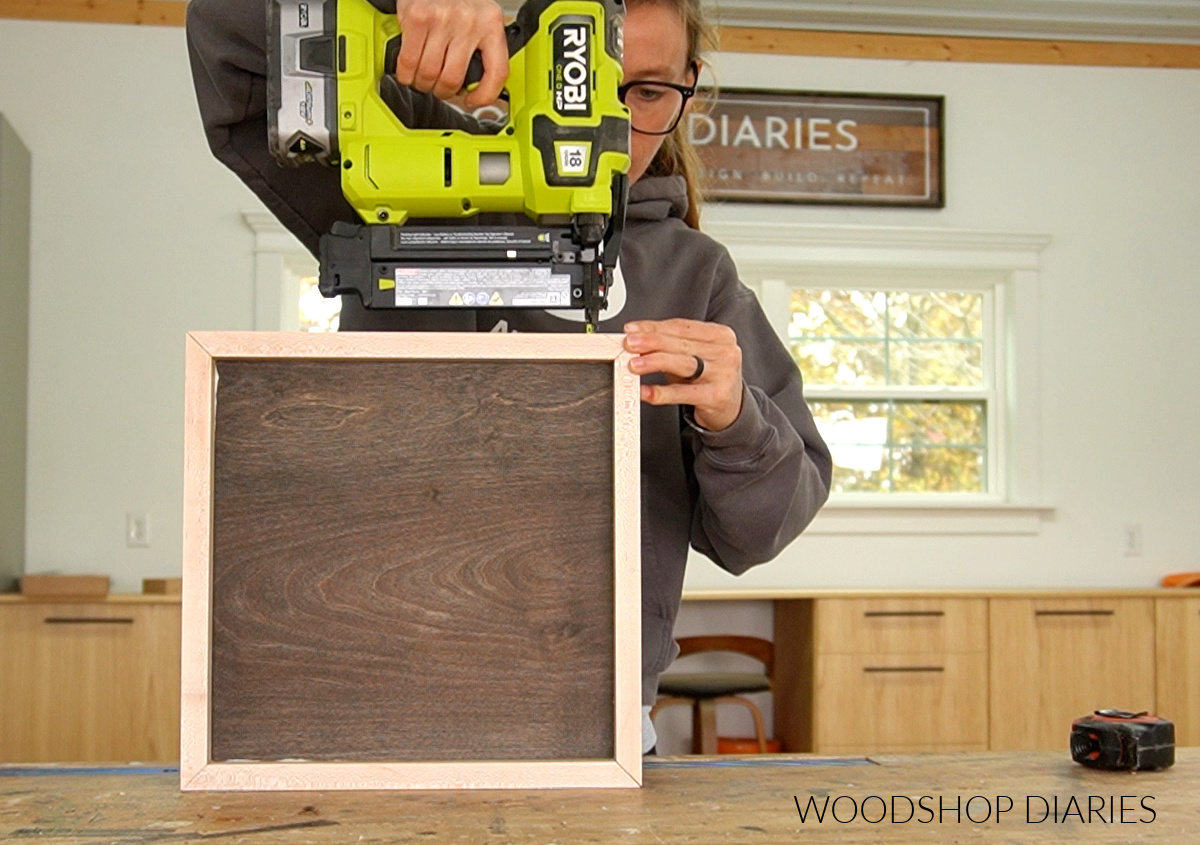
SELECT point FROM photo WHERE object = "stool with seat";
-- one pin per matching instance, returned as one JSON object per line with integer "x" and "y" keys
{"x": 705, "y": 690}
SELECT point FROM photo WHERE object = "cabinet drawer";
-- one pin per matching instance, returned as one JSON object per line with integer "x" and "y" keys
{"x": 1055, "y": 660}
{"x": 903, "y": 626}
{"x": 1178, "y": 655}
{"x": 889, "y": 700}
{"x": 89, "y": 681}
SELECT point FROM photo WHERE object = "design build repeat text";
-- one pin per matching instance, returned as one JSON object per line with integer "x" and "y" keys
{"x": 813, "y": 147}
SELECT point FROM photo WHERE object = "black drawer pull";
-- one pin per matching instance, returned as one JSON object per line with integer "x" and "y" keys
{"x": 876, "y": 669}
{"x": 881, "y": 613}
{"x": 88, "y": 620}
{"x": 1074, "y": 613}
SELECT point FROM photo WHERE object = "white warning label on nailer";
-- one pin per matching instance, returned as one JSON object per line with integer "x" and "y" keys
{"x": 573, "y": 159}
{"x": 454, "y": 287}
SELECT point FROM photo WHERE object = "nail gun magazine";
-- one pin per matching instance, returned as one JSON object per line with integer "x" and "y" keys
{"x": 560, "y": 159}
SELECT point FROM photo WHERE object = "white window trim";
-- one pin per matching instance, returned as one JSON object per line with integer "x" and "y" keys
{"x": 762, "y": 250}
{"x": 771, "y": 250}
{"x": 279, "y": 262}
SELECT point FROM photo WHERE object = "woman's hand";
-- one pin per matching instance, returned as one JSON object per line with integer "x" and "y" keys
{"x": 702, "y": 361}
{"x": 438, "y": 38}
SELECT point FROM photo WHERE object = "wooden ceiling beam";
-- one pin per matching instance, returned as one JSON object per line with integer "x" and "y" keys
{"x": 740, "y": 39}
{"x": 937, "y": 48}
{"x": 145, "y": 12}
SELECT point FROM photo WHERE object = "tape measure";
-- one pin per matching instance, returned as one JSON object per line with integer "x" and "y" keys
{"x": 1119, "y": 739}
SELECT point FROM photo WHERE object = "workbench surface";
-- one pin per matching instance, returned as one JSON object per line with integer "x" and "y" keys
{"x": 692, "y": 800}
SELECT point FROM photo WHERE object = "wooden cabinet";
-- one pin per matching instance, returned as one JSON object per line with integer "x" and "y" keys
{"x": 1177, "y": 639}
{"x": 901, "y": 702}
{"x": 887, "y": 674}
{"x": 854, "y": 673}
{"x": 1054, "y": 660}
{"x": 89, "y": 681}
{"x": 907, "y": 671}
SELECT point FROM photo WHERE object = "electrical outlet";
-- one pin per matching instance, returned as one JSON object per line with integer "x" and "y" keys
{"x": 1132, "y": 543}
{"x": 137, "y": 529}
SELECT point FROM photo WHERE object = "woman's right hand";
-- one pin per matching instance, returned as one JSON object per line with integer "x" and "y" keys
{"x": 438, "y": 39}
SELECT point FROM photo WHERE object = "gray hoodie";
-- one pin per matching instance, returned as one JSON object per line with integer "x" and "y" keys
{"x": 738, "y": 495}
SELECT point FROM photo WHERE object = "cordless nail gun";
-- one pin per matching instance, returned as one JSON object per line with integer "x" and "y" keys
{"x": 560, "y": 157}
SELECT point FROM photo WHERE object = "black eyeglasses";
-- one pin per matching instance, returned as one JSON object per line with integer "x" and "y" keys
{"x": 655, "y": 107}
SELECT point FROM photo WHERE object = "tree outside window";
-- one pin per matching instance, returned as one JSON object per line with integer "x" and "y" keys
{"x": 317, "y": 314}
{"x": 900, "y": 384}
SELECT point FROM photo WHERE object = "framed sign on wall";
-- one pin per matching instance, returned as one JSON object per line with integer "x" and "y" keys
{"x": 812, "y": 147}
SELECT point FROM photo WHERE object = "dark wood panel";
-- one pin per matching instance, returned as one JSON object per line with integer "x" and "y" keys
{"x": 412, "y": 561}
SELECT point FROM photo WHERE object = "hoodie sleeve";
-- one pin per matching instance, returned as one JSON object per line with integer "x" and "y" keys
{"x": 227, "y": 44}
{"x": 761, "y": 481}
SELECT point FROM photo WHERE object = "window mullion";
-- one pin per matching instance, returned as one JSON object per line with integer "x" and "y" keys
{"x": 938, "y": 445}
{"x": 995, "y": 360}
{"x": 890, "y": 446}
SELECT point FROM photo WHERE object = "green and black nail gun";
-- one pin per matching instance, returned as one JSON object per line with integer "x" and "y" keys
{"x": 560, "y": 157}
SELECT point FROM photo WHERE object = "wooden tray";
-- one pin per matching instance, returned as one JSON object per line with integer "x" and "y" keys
{"x": 162, "y": 586}
{"x": 64, "y": 586}
{"x": 410, "y": 561}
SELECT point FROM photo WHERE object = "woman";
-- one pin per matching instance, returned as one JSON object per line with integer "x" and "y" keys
{"x": 732, "y": 463}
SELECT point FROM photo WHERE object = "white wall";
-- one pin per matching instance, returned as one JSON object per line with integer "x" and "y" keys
{"x": 1102, "y": 160}
{"x": 138, "y": 237}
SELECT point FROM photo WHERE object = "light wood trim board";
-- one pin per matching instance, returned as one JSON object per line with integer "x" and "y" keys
{"x": 938, "y": 48}
{"x": 739, "y": 39}
{"x": 149, "y": 12}
{"x": 111, "y": 598}
{"x": 198, "y": 772}
{"x": 792, "y": 594}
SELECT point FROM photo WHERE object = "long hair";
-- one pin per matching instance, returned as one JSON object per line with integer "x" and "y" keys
{"x": 677, "y": 156}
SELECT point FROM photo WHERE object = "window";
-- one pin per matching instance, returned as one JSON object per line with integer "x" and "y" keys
{"x": 986, "y": 405}
{"x": 919, "y": 349}
{"x": 900, "y": 383}
{"x": 317, "y": 313}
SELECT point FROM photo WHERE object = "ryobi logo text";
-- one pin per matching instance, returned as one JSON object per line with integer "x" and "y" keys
{"x": 573, "y": 69}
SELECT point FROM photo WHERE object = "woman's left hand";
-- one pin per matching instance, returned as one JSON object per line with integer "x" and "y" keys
{"x": 703, "y": 364}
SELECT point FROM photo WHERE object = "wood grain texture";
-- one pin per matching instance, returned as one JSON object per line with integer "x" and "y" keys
{"x": 412, "y": 560}
{"x": 861, "y": 673}
{"x": 940, "y": 48}
{"x": 518, "y": 613}
{"x": 64, "y": 586}
{"x": 791, "y": 594}
{"x": 735, "y": 39}
{"x": 196, "y": 600}
{"x": 439, "y": 346}
{"x": 920, "y": 701}
{"x": 737, "y": 804}
{"x": 162, "y": 586}
{"x": 151, "y": 12}
{"x": 933, "y": 625}
{"x": 293, "y": 776}
{"x": 627, "y": 564}
{"x": 90, "y": 680}
{"x": 793, "y": 679}
{"x": 1054, "y": 660}
{"x": 1177, "y": 634}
